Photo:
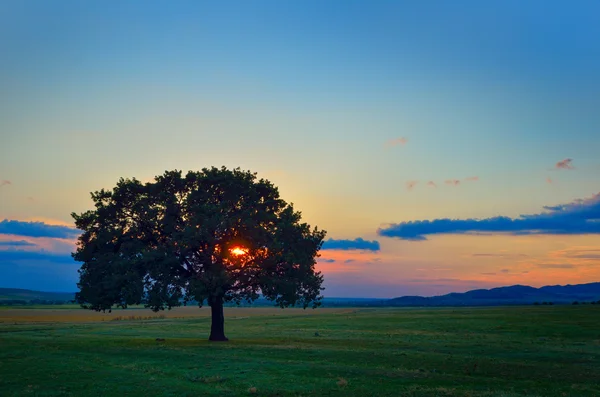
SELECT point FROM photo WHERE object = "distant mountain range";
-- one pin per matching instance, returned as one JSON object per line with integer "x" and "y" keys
{"x": 512, "y": 295}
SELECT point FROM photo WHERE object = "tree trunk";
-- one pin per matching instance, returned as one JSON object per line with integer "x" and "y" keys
{"x": 217, "y": 327}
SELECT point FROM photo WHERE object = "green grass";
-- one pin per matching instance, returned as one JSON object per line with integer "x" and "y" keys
{"x": 517, "y": 351}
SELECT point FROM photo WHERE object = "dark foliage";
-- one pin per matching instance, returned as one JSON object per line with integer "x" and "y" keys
{"x": 170, "y": 241}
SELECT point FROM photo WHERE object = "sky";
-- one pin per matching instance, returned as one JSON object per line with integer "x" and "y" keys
{"x": 444, "y": 146}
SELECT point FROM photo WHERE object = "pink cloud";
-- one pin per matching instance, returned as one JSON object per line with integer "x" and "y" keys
{"x": 565, "y": 164}
{"x": 454, "y": 182}
{"x": 411, "y": 184}
{"x": 431, "y": 183}
{"x": 397, "y": 141}
{"x": 472, "y": 178}
{"x": 549, "y": 180}
{"x": 4, "y": 182}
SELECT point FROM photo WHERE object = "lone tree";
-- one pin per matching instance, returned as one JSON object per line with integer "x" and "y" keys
{"x": 217, "y": 235}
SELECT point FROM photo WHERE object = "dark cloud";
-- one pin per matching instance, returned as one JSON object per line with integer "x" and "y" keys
{"x": 20, "y": 243}
{"x": 35, "y": 256}
{"x": 489, "y": 274}
{"x": 504, "y": 271}
{"x": 356, "y": 244}
{"x": 565, "y": 164}
{"x": 555, "y": 266}
{"x": 38, "y": 270}
{"x": 577, "y": 217}
{"x": 37, "y": 229}
{"x": 327, "y": 260}
{"x": 349, "y": 261}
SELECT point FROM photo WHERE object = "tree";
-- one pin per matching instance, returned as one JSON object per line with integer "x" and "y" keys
{"x": 212, "y": 236}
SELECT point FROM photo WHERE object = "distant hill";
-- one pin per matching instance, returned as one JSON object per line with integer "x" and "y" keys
{"x": 512, "y": 295}
{"x": 17, "y": 294}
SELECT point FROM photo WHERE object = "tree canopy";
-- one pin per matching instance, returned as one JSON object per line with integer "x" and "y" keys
{"x": 213, "y": 236}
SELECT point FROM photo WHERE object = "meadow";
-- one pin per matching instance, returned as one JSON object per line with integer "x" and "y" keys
{"x": 504, "y": 351}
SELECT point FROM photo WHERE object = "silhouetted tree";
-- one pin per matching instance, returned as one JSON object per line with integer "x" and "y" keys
{"x": 217, "y": 235}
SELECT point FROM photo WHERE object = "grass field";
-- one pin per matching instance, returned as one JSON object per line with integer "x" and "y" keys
{"x": 518, "y": 351}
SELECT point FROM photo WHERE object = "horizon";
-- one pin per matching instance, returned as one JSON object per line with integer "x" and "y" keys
{"x": 355, "y": 297}
{"x": 443, "y": 149}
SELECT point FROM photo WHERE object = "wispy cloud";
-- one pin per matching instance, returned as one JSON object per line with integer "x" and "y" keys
{"x": 577, "y": 253}
{"x": 410, "y": 185}
{"x": 397, "y": 142}
{"x": 549, "y": 181}
{"x": 431, "y": 184}
{"x": 356, "y": 244}
{"x": 37, "y": 229}
{"x": 472, "y": 179}
{"x": 566, "y": 164}
{"x": 453, "y": 182}
{"x": 5, "y": 182}
{"x": 19, "y": 243}
{"x": 499, "y": 255}
{"x": 327, "y": 260}
{"x": 555, "y": 266}
{"x": 578, "y": 217}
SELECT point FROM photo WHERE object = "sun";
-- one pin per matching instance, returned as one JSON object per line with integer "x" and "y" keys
{"x": 238, "y": 251}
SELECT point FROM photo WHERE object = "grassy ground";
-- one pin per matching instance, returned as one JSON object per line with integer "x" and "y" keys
{"x": 520, "y": 351}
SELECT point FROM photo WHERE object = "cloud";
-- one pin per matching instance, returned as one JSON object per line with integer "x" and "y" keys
{"x": 431, "y": 184}
{"x": 38, "y": 270}
{"x": 504, "y": 271}
{"x": 411, "y": 184}
{"x": 397, "y": 141}
{"x": 501, "y": 255}
{"x": 20, "y": 243}
{"x": 327, "y": 260}
{"x": 453, "y": 182}
{"x": 37, "y": 229}
{"x": 555, "y": 266}
{"x": 578, "y": 217}
{"x": 577, "y": 253}
{"x": 565, "y": 164}
{"x": 549, "y": 181}
{"x": 4, "y": 182}
{"x": 472, "y": 179}
{"x": 356, "y": 244}
{"x": 34, "y": 256}
{"x": 349, "y": 261}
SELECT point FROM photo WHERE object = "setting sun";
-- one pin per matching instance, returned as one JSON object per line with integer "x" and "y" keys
{"x": 239, "y": 251}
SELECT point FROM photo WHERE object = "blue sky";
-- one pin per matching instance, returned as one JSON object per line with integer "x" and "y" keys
{"x": 488, "y": 97}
